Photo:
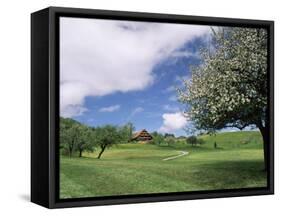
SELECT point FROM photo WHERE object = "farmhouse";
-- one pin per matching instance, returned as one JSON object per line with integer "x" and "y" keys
{"x": 142, "y": 135}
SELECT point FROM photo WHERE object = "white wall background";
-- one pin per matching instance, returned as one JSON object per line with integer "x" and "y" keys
{"x": 15, "y": 106}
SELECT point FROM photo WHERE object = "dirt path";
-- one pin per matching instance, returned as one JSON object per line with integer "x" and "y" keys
{"x": 182, "y": 153}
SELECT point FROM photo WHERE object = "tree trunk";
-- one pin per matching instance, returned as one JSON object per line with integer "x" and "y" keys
{"x": 70, "y": 152}
{"x": 80, "y": 152}
{"x": 102, "y": 150}
{"x": 265, "y": 136}
{"x": 215, "y": 144}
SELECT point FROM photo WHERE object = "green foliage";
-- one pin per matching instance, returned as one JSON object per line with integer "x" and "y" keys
{"x": 140, "y": 169}
{"x": 170, "y": 141}
{"x": 86, "y": 139}
{"x": 233, "y": 140}
{"x": 230, "y": 87}
{"x": 181, "y": 137}
{"x": 106, "y": 136}
{"x": 193, "y": 140}
{"x": 75, "y": 137}
{"x": 126, "y": 132}
{"x": 169, "y": 135}
{"x": 200, "y": 141}
{"x": 158, "y": 138}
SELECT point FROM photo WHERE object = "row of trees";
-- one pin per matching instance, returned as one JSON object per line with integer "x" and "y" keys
{"x": 170, "y": 139}
{"x": 76, "y": 137}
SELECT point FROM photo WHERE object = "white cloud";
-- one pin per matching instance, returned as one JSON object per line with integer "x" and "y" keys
{"x": 135, "y": 112}
{"x": 110, "y": 108}
{"x": 73, "y": 110}
{"x": 185, "y": 53}
{"x": 101, "y": 57}
{"x": 170, "y": 108}
{"x": 172, "y": 122}
{"x": 170, "y": 89}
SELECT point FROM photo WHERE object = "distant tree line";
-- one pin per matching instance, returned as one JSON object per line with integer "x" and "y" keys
{"x": 169, "y": 139}
{"x": 77, "y": 138}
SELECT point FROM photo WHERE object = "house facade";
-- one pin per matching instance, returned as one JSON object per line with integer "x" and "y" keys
{"x": 142, "y": 135}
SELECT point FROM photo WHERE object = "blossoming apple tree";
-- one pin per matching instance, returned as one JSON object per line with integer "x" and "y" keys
{"x": 229, "y": 87}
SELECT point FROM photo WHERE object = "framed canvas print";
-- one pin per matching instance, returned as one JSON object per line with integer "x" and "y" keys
{"x": 138, "y": 107}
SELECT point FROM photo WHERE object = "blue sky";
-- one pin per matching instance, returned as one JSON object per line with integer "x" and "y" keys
{"x": 145, "y": 108}
{"x": 114, "y": 72}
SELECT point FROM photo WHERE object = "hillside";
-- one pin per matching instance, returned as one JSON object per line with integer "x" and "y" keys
{"x": 229, "y": 140}
{"x": 138, "y": 168}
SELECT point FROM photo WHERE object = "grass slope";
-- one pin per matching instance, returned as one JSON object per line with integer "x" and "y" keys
{"x": 139, "y": 168}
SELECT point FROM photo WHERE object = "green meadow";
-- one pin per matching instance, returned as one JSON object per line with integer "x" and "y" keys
{"x": 139, "y": 168}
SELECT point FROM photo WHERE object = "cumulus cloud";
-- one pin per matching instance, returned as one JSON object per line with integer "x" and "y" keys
{"x": 172, "y": 122}
{"x": 101, "y": 57}
{"x": 110, "y": 108}
{"x": 135, "y": 112}
{"x": 74, "y": 110}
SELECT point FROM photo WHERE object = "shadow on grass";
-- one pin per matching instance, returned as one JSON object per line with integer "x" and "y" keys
{"x": 231, "y": 174}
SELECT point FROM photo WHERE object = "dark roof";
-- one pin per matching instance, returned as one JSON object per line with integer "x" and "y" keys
{"x": 138, "y": 134}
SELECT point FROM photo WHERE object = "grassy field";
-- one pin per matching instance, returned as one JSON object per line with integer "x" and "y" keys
{"x": 140, "y": 169}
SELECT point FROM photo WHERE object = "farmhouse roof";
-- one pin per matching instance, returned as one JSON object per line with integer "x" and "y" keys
{"x": 139, "y": 133}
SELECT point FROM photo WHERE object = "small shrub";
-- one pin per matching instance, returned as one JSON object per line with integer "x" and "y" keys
{"x": 170, "y": 141}
{"x": 193, "y": 140}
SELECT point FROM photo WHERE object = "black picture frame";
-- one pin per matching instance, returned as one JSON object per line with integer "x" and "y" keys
{"x": 45, "y": 106}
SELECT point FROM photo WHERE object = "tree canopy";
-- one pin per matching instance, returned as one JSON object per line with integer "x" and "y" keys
{"x": 75, "y": 136}
{"x": 106, "y": 136}
{"x": 158, "y": 138}
{"x": 229, "y": 87}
